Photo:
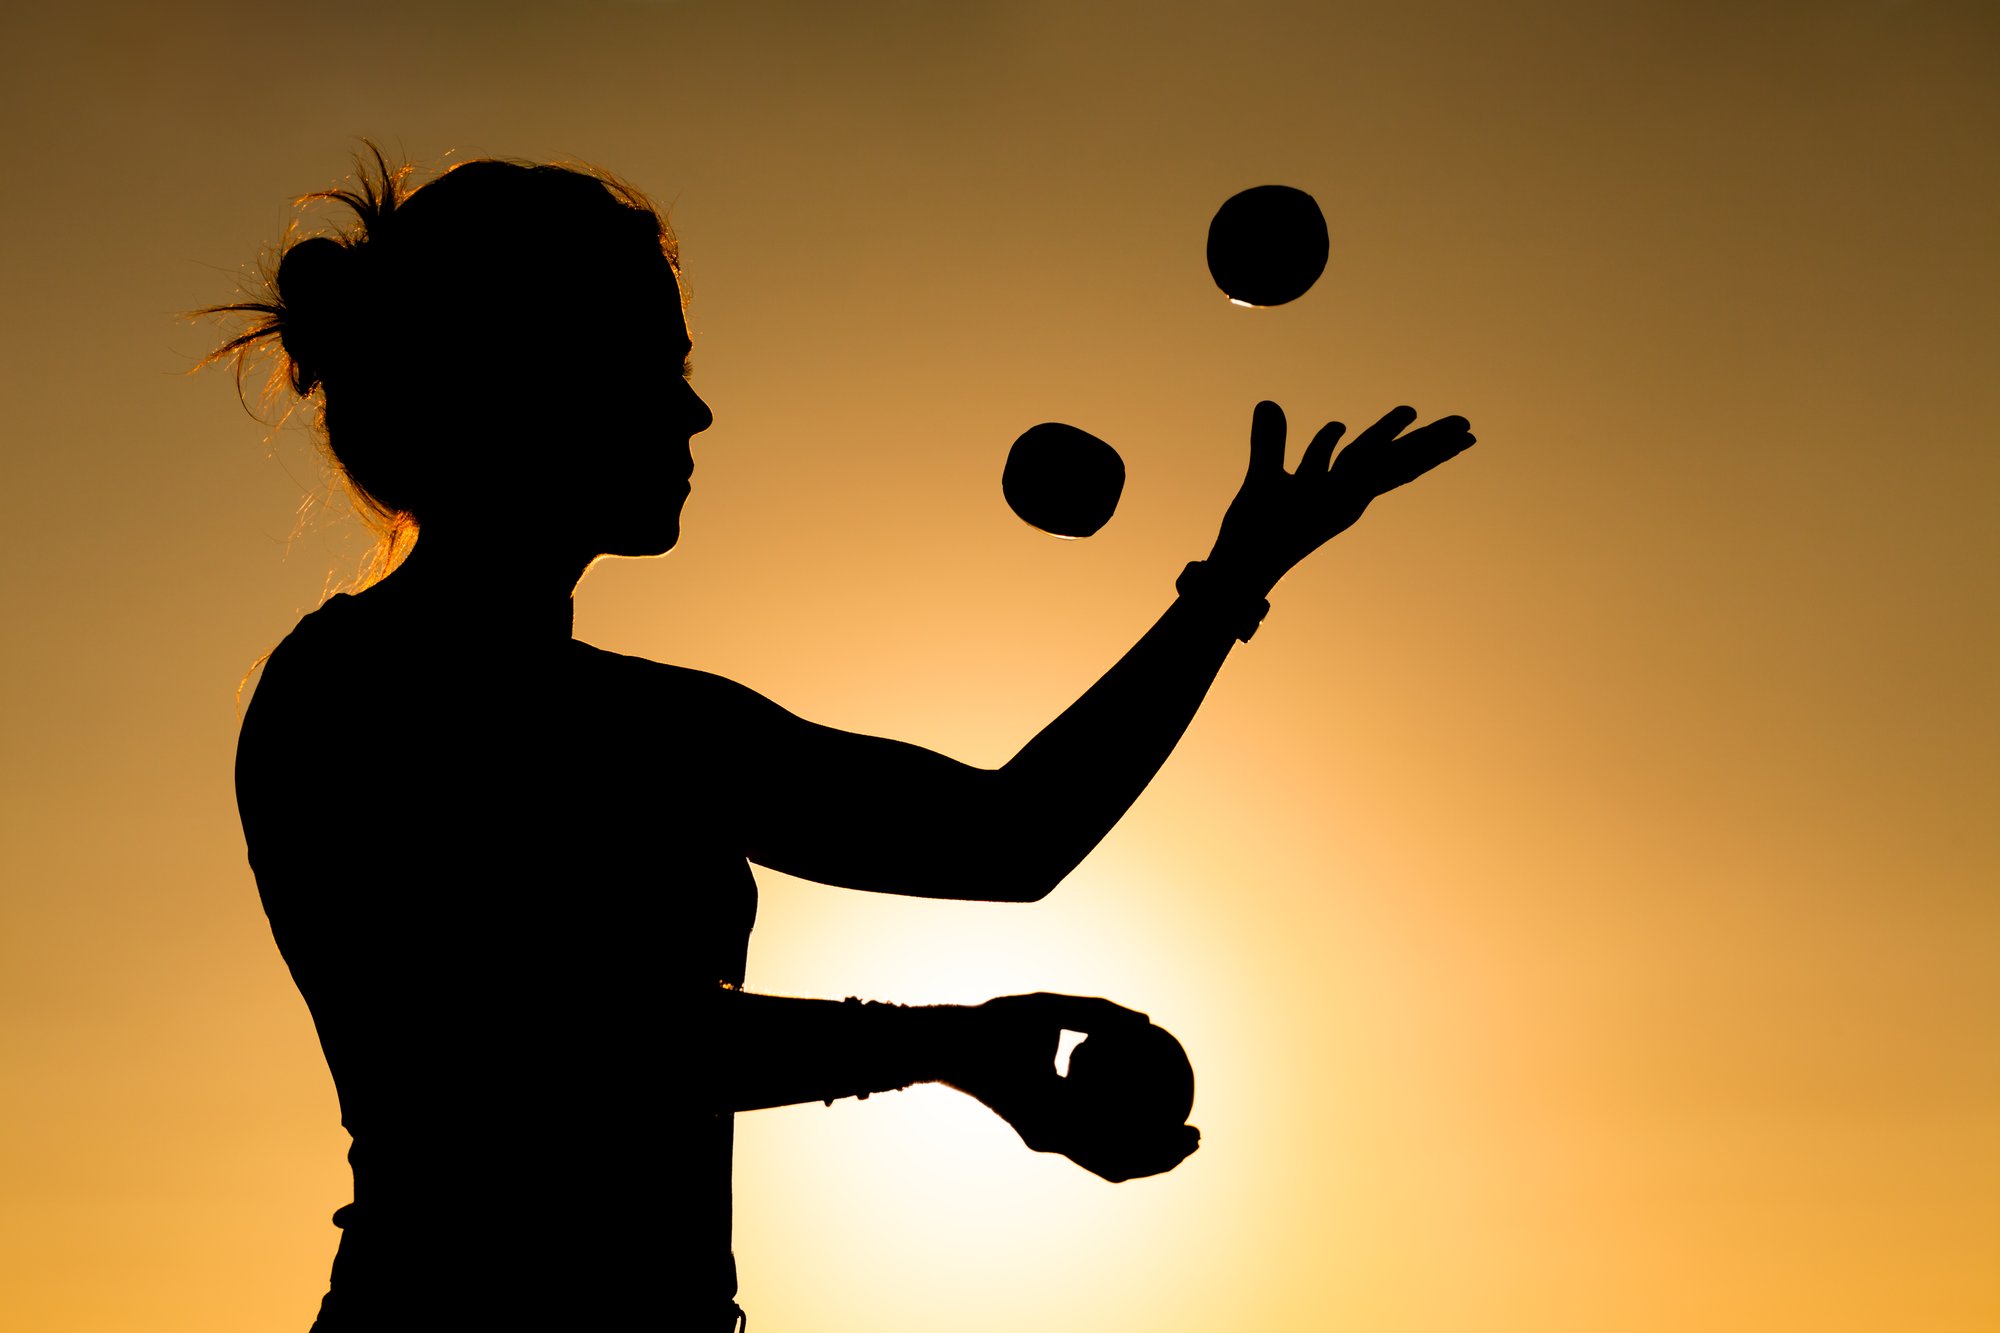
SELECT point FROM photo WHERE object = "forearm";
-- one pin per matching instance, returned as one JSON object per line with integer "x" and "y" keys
{"x": 1080, "y": 774}
{"x": 774, "y": 1050}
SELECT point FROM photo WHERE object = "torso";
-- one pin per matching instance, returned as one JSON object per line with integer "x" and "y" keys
{"x": 507, "y": 877}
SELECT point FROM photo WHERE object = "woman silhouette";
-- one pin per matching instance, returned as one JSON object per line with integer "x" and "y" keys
{"x": 513, "y": 885}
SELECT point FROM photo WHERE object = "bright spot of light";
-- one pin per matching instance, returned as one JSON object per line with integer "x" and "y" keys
{"x": 1066, "y": 1042}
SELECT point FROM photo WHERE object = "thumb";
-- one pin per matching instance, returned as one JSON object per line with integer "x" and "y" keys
{"x": 1267, "y": 440}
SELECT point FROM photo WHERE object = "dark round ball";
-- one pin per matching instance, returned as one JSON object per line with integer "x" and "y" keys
{"x": 1137, "y": 1076}
{"x": 1063, "y": 480}
{"x": 1267, "y": 245}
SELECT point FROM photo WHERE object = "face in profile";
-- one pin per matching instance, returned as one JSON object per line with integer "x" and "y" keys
{"x": 619, "y": 423}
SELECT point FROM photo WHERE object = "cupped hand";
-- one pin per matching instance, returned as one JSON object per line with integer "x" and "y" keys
{"x": 1009, "y": 1064}
{"x": 1278, "y": 518}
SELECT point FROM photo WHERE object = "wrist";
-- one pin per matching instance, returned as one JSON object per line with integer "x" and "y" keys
{"x": 891, "y": 1046}
{"x": 1226, "y": 595}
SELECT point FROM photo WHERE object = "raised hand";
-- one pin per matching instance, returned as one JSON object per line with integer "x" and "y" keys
{"x": 1278, "y": 518}
{"x": 1009, "y": 1064}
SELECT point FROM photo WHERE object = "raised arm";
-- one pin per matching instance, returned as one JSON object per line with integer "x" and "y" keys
{"x": 874, "y": 814}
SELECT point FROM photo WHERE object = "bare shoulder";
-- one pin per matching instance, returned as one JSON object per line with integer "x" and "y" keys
{"x": 309, "y": 657}
{"x": 643, "y": 680}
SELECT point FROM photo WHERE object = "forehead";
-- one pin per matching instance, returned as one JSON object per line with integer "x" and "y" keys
{"x": 635, "y": 295}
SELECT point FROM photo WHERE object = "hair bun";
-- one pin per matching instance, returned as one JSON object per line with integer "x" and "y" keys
{"x": 316, "y": 289}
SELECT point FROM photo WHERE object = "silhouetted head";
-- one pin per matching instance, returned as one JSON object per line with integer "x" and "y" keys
{"x": 504, "y": 340}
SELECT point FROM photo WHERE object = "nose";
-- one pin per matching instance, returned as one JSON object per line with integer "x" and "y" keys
{"x": 700, "y": 418}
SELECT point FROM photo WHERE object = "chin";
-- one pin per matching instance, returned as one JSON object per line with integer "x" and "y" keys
{"x": 639, "y": 546}
{"x": 637, "y": 535}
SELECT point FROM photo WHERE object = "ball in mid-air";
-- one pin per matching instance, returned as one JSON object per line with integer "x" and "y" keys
{"x": 1133, "y": 1076}
{"x": 1267, "y": 245}
{"x": 1063, "y": 480}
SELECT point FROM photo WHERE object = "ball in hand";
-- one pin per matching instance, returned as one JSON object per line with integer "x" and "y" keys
{"x": 1063, "y": 480}
{"x": 1267, "y": 245}
{"x": 1136, "y": 1076}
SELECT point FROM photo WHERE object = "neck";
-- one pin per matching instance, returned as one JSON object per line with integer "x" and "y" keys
{"x": 457, "y": 577}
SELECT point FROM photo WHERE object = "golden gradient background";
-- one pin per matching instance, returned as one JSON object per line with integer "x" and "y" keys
{"x": 1580, "y": 900}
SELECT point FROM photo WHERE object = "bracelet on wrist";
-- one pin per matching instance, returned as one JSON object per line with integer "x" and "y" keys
{"x": 886, "y": 1047}
{"x": 1240, "y": 610}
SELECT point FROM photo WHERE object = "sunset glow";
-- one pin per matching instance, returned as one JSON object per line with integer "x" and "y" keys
{"x": 1577, "y": 901}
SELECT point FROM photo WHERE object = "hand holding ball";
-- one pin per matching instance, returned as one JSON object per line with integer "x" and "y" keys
{"x": 1121, "y": 1110}
{"x": 1134, "y": 1077}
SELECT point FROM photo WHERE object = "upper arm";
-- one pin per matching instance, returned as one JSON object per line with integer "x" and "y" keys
{"x": 863, "y": 812}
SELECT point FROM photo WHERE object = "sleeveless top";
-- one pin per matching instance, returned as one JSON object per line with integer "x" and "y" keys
{"x": 507, "y": 877}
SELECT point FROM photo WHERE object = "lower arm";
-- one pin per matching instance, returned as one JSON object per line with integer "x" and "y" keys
{"x": 1077, "y": 778}
{"x": 771, "y": 1050}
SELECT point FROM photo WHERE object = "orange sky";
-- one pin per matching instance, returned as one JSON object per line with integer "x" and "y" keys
{"x": 1579, "y": 901}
